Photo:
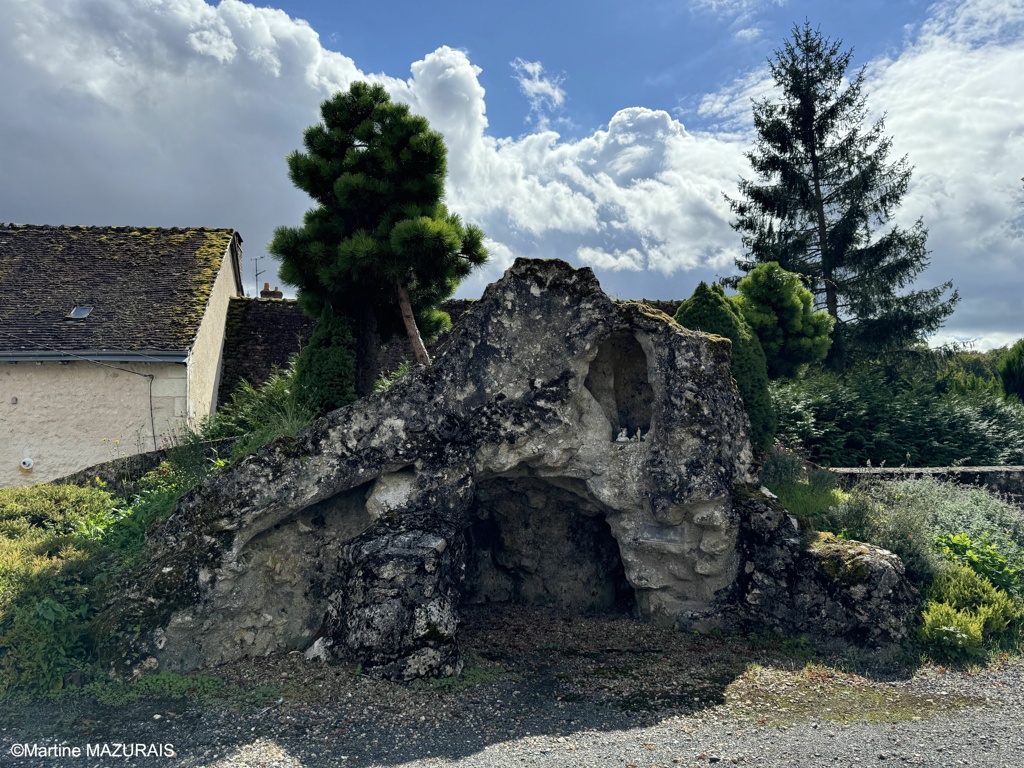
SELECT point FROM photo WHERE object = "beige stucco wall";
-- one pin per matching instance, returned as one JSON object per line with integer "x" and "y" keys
{"x": 205, "y": 357}
{"x": 68, "y": 416}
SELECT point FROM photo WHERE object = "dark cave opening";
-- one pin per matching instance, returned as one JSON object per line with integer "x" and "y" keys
{"x": 543, "y": 542}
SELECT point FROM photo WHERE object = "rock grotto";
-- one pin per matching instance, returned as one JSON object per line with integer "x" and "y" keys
{"x": 565, "y": 450}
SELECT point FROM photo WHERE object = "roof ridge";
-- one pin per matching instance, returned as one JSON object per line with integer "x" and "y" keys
{"x": 112, "y": 227}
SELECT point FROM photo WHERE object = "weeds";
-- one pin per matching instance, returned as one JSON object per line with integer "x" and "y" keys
{"x": 258, "y": 416}
{"x": 62, "y": 549}
{"x": 387, "y": 380}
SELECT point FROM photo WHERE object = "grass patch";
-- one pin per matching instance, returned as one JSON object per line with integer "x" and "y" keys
{"x": 63, "y": 550}
{"x": 815, "y": 693}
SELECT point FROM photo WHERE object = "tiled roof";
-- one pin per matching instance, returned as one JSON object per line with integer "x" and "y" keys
{"x": 260, "y": 333}
{"x": 148, "y": 287}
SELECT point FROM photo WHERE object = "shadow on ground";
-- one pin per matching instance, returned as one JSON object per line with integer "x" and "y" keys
{"x": 530, "y": 673}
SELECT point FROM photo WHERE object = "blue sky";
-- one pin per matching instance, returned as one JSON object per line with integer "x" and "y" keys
{"x": 606, "y": 55}
{"x": 602, "y": 133}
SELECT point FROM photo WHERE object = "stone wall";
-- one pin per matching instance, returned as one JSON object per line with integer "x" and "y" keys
{"x": 1008, "y": 481}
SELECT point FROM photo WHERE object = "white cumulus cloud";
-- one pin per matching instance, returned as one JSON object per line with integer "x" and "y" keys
{"x": 178, "y": 112}
{"x": 545, "y": 94}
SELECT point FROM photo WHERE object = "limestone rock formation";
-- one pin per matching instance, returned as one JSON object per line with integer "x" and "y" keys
{"x": 565, "y": 450}
{"x": 815, "y": 585}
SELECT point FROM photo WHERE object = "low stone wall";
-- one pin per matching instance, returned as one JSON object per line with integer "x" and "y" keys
{"x": 1008, "y": 481}
{"x": 120, "y": 475}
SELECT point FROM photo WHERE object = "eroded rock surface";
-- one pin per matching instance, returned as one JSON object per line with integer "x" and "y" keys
{"x": 564, "y": 450}
{"x": 814, "y": 584}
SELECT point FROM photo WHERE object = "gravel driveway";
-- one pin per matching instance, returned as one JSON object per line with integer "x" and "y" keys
{"x": 543, "y": 689}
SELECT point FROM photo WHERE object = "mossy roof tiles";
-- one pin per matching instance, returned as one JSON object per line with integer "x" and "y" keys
{"x": 148, "y": 287}
{"x": 260, "y": 334}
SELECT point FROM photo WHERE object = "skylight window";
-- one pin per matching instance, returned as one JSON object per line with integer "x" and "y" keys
{"x": 79, "y": 313}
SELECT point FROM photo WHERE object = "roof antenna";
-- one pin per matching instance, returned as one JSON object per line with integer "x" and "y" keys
{"x": 259, "y": 271}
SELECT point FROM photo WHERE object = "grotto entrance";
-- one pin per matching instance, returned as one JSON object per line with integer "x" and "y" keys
{"x": 543, "y": 542}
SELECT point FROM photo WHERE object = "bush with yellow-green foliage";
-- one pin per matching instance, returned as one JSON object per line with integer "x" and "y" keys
{"x": 62, "y": 548}
{"x": 965, "y": 615}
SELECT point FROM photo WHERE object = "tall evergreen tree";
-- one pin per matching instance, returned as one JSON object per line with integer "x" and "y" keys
{"x": 379, "y": 248}
{"x": 1011, "y": 370}
{"x": 823, "y": 199}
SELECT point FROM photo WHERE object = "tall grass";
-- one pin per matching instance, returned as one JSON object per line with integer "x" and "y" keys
{"x": 258, "y": 415}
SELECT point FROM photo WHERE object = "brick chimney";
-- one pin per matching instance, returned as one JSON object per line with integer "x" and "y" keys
{"x": 266, "y": 293}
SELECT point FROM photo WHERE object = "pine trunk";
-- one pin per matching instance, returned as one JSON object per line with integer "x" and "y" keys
{"x": 367, "y": 350}
{"x": 418, "y": 348}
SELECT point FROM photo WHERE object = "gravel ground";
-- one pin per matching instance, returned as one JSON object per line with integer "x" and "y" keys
{"x": 543, "y": 689}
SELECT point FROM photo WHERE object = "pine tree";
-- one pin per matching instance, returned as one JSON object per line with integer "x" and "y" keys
{"x": 379, "y": 247}
{"x": 822, "y": 203}
{"x": 780, "y": 312}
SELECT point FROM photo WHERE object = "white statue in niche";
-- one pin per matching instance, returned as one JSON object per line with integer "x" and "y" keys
{"x": 623, "y": 437}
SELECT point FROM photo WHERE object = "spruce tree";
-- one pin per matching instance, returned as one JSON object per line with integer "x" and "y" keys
{"x": 379, "y": 247}
{"x": 823, "y": 200}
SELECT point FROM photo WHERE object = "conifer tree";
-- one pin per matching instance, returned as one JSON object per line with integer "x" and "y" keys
{"x": 710, "y": 311}
{"x": 823, "y": 200}
{"x": 780, "y": 312}
{"x": 379, "y": 247}
{"x": 1011, "y": 370}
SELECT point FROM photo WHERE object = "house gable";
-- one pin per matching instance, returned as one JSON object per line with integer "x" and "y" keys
{"x": 128, "y": 373}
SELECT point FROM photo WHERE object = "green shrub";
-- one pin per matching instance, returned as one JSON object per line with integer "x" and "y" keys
{"x": 968, "y": 579}
{"x": 952, "y": 508}
{"x": 780, "y": 464}
{"x": 867, "y": 418}
{"x": 809, "y": 501}
{"x": 966, "y": 615}
{"x": 780, "y": 312}
{"x": 56, "y": 509}
{"x": 985, "y": 559}
{"x": 48, "y": 580}
{"x": 869, "y": 514}
{"x": 325, "y": 371}
{"x": 61, "y": 549}
{"x": 948, "y": 633}
{"x": 1011, "y": 371}
{"x": 710, "y": 311}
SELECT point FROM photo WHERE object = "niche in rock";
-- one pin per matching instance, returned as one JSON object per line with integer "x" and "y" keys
{"x": 618, "y": 380}
{"x": 543, "y": 541}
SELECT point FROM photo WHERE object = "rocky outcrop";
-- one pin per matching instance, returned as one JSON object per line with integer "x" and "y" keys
{"x": 813, "y": 584}
{"x": 564, "y": 450}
